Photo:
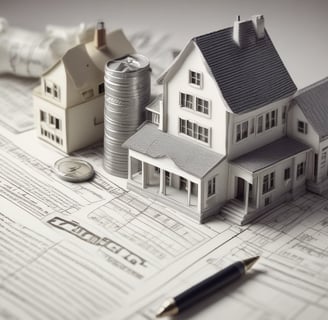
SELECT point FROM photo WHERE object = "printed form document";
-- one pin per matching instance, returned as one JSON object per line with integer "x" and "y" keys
{"x": 94, "y": 250}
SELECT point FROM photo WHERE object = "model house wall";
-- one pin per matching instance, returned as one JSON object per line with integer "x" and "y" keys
{"x": 199, "y": 104}
{"x": 256, "y": 128}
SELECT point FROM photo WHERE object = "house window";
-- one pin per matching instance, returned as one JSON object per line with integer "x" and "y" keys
{"x": 87, "y": 94}
{"x": 271, "y": 120}
{"x": 287, "y": 174}
{"x": 56, "y": 91}
{"x": 274, "y": 114}
{"x": 186, "y": 100}
{"x": 211, "y": 187}
{"x": 202, "y": 105}
{"x": 302, "y": 127}
{"x": 300, "y": 169}
{"x": 268, "y": 182}
{"x": 260, "y": 124}
{"x": 202, "y": 133}
{"x": 284, "y": 114}
{"x": 58, "y": 123}
{"x": 51, "y": 119}
{"x": 43, "y": 116}
{"x": 252, "y": 124}
{"x": 195, "y": 78}
{"x": 52, "y": 89}
{"x": 194, "y": 130}
{"x": 242, "y": 131}
{"x": 101, "y": 88}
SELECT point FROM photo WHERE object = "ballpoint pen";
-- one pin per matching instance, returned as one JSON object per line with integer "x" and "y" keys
{"x": 204, "y": 288}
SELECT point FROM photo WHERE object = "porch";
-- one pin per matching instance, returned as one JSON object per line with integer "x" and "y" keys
{"x": 162, "y": 182}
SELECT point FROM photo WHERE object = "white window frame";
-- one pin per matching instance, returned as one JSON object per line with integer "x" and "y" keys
{"x": 204, "y": 106}
{"x": 300, "y": 170}
{"x": 268, "y": 182}
{"x": 241, "y": 133}
{"x": 260, "y": 124}
{"x": 289, "y": 172}
{"x": 195, "y": 131}
{"x": 192, "y": 105}
{"x": 211, "y": 187}
{"x": 302, "y": 127}
{"x": 197, "y": 76}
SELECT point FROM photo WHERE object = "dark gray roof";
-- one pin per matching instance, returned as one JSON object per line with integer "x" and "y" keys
{"x": 313, "y": 101}
{"x": 189, "y": 157}
{"x": 248, "y": 77}
{"x": 270, "y": 154}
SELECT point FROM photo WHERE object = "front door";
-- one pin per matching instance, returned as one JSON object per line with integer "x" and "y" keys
{"x": 240, "y": 189}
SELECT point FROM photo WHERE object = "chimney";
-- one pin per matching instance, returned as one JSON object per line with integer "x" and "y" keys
{"x": 240, "y": 30}
{"x": 258, "y": 23}
{"x": 100, "y": 35}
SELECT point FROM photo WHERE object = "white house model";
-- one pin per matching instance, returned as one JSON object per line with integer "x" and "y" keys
{"x": 69, "y": 103}
{"x": 227, "y": 135}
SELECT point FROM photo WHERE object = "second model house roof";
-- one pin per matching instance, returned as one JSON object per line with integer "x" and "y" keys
{"x": 250, "y": 76}
{"x": 151, "y": 141}
{"x": 270, "y": 154}
{"x": 313, "y": 101}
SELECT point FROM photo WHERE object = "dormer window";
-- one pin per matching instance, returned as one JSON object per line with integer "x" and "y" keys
{"x": 195, "y": 78}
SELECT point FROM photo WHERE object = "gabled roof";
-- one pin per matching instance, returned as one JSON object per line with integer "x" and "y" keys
{"x": 270, "y": 154}
{"x": 313, "y": 101}
{"x": 85, "y": 63}
{"x": 248, "y": 77}
{"x": 151, "y": 141}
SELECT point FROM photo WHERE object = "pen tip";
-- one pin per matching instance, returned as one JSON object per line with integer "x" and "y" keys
{"x": 250, "y": 262}
{"x": 169, "y": 308}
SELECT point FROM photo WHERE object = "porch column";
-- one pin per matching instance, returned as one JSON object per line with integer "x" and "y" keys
{"x": 162, "y": 182}
{"x": 189, "y": 192}
{"x": 143, "y": 174}
{"x": 246, "y": 195}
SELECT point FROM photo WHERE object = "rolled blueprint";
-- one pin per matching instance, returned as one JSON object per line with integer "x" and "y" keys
{"x": 28, "y": 53}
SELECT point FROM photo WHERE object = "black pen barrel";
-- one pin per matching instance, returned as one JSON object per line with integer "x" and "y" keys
{"x": 209, "y": 285}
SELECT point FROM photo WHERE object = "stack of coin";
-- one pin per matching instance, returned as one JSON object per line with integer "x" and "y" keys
{"x": 127, "y": 92}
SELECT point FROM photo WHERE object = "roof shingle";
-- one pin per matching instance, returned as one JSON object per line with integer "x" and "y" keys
{"x": 249, "y": 77}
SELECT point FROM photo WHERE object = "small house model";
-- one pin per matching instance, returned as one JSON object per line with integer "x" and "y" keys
{"x": 222, "y": 137}
{"x": 69, "y": 103}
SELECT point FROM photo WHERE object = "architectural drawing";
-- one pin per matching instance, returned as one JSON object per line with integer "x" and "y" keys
{"x": 291, "y": 273}
{"x": 69, "y": 103}
{"x": 218, "y": 138}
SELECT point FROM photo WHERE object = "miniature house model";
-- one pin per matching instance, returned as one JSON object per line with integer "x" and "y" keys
{"x": 69, "y": 103}
{"x": 227, "y": 135}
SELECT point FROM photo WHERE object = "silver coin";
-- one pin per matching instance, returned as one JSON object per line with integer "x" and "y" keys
{"x": 73, "y": 169}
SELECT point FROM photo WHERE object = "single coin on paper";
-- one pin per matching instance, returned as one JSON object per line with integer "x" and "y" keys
{"x": 73, "y": 169}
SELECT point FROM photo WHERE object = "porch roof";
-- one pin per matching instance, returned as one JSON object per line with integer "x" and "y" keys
{"x": 270, "y": 154}
{"x": 189, "y": 157}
